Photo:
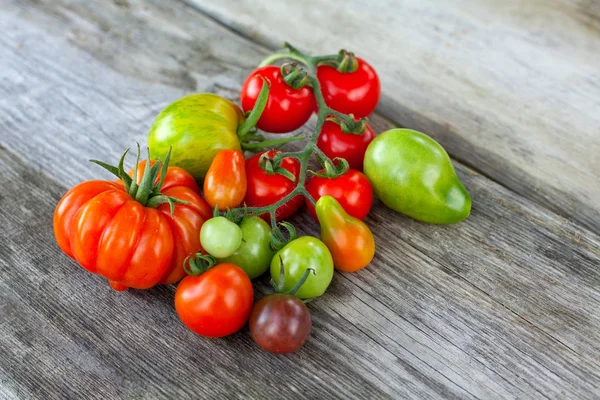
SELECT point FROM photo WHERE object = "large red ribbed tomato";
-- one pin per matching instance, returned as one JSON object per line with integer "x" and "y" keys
{"x": 128, "y": 233}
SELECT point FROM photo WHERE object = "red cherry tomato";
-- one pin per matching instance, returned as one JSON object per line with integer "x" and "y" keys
{"x": 352, "y": 147}
{"x": 216, "y": 303}
{"x": 287, "y": 109}
{"x": 266, "y": 188}
{"x": 352, "y": 190}
{"x": 354, "y": 93}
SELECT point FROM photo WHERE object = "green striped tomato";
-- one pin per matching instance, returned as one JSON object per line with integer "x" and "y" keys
{"x": 197, "y": 127}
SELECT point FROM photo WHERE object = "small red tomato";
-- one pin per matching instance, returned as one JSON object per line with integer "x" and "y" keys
{"x": 352, "y": 190}
{"x": 225, "y": 181}
{"x": 335, "y": 143}
{"x": 287, "y": 109}
{"x": 266, "y": 188}
{"x": 216, "y": 303}
{"x": 354, "y": 93}
{"x": 280, "y": 323}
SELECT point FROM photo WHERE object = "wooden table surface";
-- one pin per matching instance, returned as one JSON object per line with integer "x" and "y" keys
{"x": 503, "y": 305}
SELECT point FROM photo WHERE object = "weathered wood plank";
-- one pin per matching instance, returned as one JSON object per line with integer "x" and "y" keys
{"x": 428, "y": 319}
{"x": 511, "y": 88}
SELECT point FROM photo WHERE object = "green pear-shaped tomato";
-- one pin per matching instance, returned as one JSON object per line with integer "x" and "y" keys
{"x": 412, "y": 174}
{"x": 254, "y": 254}
{"x": 299, "y": 255}
{"x": 197, "y": 126}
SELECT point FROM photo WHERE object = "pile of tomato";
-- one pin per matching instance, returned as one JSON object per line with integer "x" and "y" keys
{"x": 154, "y": 225}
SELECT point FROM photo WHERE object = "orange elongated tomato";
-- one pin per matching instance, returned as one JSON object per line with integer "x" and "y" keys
{"x": 349, "y": 240}
{"x": 128, "y": 236}
{"x": 225, "y": 182}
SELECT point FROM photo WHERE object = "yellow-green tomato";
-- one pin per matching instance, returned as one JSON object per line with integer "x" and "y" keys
{"x": 220, "y": 237}
{"x": 299, "y": 255}
{"x": 197, "y": 127}
{"x": 411, "y": 173}
{"x": 254, "y": 254}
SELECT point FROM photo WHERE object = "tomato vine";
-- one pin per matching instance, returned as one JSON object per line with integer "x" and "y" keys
{"x": 297, "y": 78}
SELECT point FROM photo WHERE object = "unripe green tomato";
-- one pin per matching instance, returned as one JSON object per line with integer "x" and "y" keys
{"x": 299, "y": 255}
{"x": 411, "y": 173}
{"x": 254, "y": 254}
{"x": 220, "y": 237}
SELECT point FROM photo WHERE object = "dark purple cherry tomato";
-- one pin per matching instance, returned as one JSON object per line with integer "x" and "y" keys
{"x": 280, "y": 323}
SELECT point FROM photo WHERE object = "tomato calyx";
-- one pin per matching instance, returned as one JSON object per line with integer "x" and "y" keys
{"x": 147, "y": 192}
{"x": 294, "y": 77}
{"x": 350, "y": 125}
{"x": 279, "y": 287}
{"x": 231, "y": 214}
{"x": 198, "y": 264}
{"x": 278, "y": 240}
{"x": 345, "y": 62}
{"x": 272, "y": 165}
{"x": 332, "y": 168}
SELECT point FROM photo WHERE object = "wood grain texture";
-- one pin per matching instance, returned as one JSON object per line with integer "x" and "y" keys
{"x": 505, "y": 305}
{"x": 511, "y": 88}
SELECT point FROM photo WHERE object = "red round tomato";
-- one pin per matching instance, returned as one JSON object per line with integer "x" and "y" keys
{"x": 354, "y": 93}
{"x": 352, "y": 147}
{"x": 266, "y": 188}
{"x": 352, "y": 190}
{"x": 287, "y": 109}
{"x": 216, "y": 303}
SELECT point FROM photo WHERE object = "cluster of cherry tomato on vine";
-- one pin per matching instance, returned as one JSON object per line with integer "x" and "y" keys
{"x": 302, "y": 268}
{"x": 155, "y": 226}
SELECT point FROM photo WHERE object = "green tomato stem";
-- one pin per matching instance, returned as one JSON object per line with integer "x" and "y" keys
{"x": 301, "y": 281}
{"x": 270, "y": 143}
{"x": 259, "y": 107}
{"x": 280, "y": 56}
{"x": 147, "y": 193}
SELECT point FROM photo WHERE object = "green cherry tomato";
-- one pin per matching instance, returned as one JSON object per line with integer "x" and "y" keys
{"x": 412, "y": 174}
{"x": 197, "y": 127}
{"x": 220, "y": 237}
{"x": 299, "y": 255}
{"x": 254, "y": 254}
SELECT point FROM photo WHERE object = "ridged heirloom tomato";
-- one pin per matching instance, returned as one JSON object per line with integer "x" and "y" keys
{"x": 130, "y": 234}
